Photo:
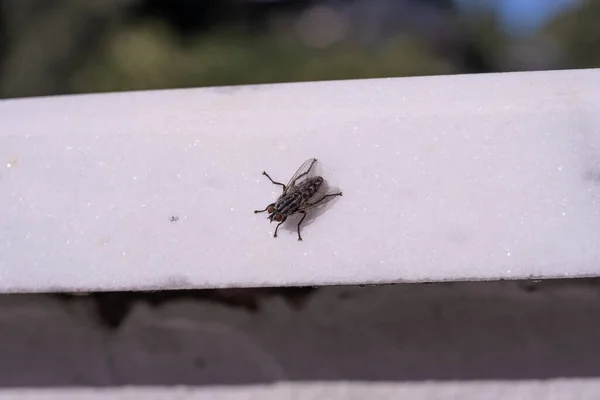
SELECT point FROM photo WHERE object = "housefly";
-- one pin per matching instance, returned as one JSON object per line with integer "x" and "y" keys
{"x": 299, "y": 196}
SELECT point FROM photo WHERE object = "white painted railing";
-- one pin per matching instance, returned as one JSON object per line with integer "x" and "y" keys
{"x": 444, "y": 178}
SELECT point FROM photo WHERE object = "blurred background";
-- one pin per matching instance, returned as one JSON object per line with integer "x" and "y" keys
{"x": 50, "y": 47}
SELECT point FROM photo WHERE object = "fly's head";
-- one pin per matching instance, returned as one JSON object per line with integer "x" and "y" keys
{"x": 274, "y": 214}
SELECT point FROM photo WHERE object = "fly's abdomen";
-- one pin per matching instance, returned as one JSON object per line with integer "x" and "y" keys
{"x": 309, "y": 187}
{"x": 290, "y": 202}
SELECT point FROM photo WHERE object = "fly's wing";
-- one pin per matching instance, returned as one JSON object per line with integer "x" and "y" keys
{"x": 318, "y": 200}
{"x": 305, "y": 171}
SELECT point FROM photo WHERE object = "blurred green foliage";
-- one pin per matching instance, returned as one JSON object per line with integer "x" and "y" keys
{"x": 79, "y": 46}
{"x": 576, "y": 32}
{"x": 150, "y": 56}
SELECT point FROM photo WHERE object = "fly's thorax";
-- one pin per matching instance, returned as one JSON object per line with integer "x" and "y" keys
{"x": 289, "y": 203}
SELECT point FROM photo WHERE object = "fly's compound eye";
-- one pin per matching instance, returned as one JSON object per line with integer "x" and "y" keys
{"x": 278, "y": 218}
{"x": 270, "y": 209}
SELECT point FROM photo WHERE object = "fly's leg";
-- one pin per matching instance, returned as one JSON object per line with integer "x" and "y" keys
{"x": 266, "y": 208}
{"x": 307, "y": 171}
{"x": 304, "y": 216}
{"x": 273, "y": 182}
{"x": 323, "y": 198}
{"x": 277, "y": 227}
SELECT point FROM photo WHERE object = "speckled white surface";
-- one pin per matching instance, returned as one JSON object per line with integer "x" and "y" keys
{"x": 560, "y": 389}
{"x": 456, "y": 177}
